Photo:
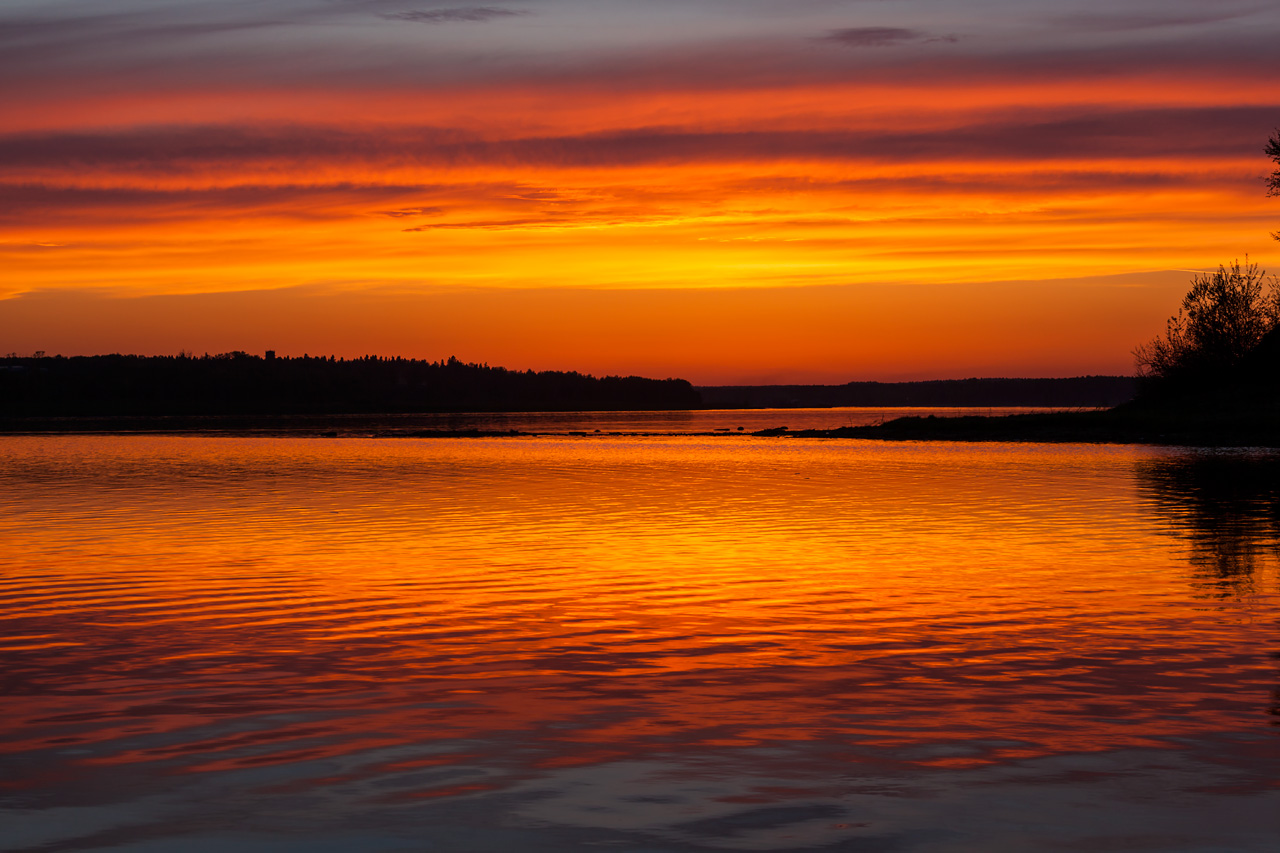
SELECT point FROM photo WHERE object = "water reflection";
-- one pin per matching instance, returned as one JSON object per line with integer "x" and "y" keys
{"x": 650, "y": 644}
{"x": 1227, "y": 504}
{"x": 1274, "y": 710}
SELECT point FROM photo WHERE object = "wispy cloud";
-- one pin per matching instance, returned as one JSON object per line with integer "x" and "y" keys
{"x": 60, "y": 39}
{"x": 874, "y": 36}
{"x": 53, "y": 205}
{"x": 462, "y": 14}
{"x": 1108, "y": 23}
{"x": 408, "y": 212}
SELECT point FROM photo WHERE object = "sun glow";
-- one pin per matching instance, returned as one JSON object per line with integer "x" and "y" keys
{"x": 776, "y": 161}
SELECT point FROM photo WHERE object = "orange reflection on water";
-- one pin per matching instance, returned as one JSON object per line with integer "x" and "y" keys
{"x": 215, "y": 605}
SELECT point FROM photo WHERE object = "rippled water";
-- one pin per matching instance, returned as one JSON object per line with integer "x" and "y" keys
{"x": 639, "y": 644}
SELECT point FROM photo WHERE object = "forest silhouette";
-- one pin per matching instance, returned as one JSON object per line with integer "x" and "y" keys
{"x": 237, "y": 383}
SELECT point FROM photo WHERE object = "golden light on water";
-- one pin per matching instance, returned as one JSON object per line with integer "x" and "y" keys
{"x": 750, "y": 590}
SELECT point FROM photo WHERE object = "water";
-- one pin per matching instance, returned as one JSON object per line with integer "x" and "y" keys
{"x": 674, "y": 422}
{"x": 636, "y": 644}
{"x": 683, "y": 421}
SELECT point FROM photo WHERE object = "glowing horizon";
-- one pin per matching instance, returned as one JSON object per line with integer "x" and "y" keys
{"x": 743, "y": 191}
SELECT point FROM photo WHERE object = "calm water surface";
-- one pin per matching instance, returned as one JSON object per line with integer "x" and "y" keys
{"x": 681, "y": 421}
{"x": 636, "y": 644}
{"x": 675, "y": 422}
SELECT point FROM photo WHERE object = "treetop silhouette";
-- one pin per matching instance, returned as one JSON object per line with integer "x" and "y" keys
{"x": 1273, "y": 181}
{"x": 1224, "y": 319}
{"x": 1224, "y": 316}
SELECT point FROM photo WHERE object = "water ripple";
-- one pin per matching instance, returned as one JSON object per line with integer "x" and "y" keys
{"x": 522, "y": 621}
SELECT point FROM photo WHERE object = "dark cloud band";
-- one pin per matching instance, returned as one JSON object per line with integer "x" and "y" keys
{"x": 873, "y": 36}
{"x": 465, "y": 14}
{"x": 1182, "y": 132}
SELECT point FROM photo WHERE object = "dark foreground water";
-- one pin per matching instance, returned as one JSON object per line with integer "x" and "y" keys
{"x": 636, "y": 644}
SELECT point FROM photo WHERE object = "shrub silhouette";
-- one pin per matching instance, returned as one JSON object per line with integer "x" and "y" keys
{"x": 1224, "y": 316}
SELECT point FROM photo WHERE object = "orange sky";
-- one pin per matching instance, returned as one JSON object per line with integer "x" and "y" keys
{"x": 728, "y": 192}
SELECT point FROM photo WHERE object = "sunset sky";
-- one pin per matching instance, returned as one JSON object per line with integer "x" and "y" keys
{"x": 730, "y": 191}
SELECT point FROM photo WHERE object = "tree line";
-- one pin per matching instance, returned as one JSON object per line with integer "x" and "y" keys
{"x": 237, "y": 383}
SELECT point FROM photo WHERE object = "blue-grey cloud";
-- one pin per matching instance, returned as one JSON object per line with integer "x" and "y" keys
{"x": 47, "y": 59}
{"x": 66, "y": 34}
{"x": 464, "y": 14}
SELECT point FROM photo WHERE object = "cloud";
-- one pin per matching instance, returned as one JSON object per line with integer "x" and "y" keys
{"x": 407, "y": 212}
{"x": 1105, "y": 23}
{"x": 463, "y": 14}
{"x": 208, "y": 154}
{"x": 52, "y": 33}
{"x": 500, "y": 224}
{"x": 873, "y": 36}
{"x": 26, "y": 203}
{"x": 42, "y": 74}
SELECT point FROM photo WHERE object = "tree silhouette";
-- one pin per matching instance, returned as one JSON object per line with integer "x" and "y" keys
{"x": 1223, "y": 317}
{"x": 1273, "y": 181}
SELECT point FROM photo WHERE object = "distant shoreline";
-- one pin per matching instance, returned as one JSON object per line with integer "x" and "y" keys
{"x": 1066, "y": 392}
{"x": 243, "y": 385}
{"x": 1122, "y": 425}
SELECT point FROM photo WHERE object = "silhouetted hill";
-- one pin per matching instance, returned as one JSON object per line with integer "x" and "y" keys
{"x": 240, "y": 384}
{"x": 1075, "y": 392}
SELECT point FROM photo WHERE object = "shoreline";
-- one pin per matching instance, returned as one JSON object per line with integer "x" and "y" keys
{"x": 1123, "y": 425}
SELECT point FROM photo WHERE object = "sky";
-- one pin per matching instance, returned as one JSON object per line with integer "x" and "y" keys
{"x": 730, "y": 191}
